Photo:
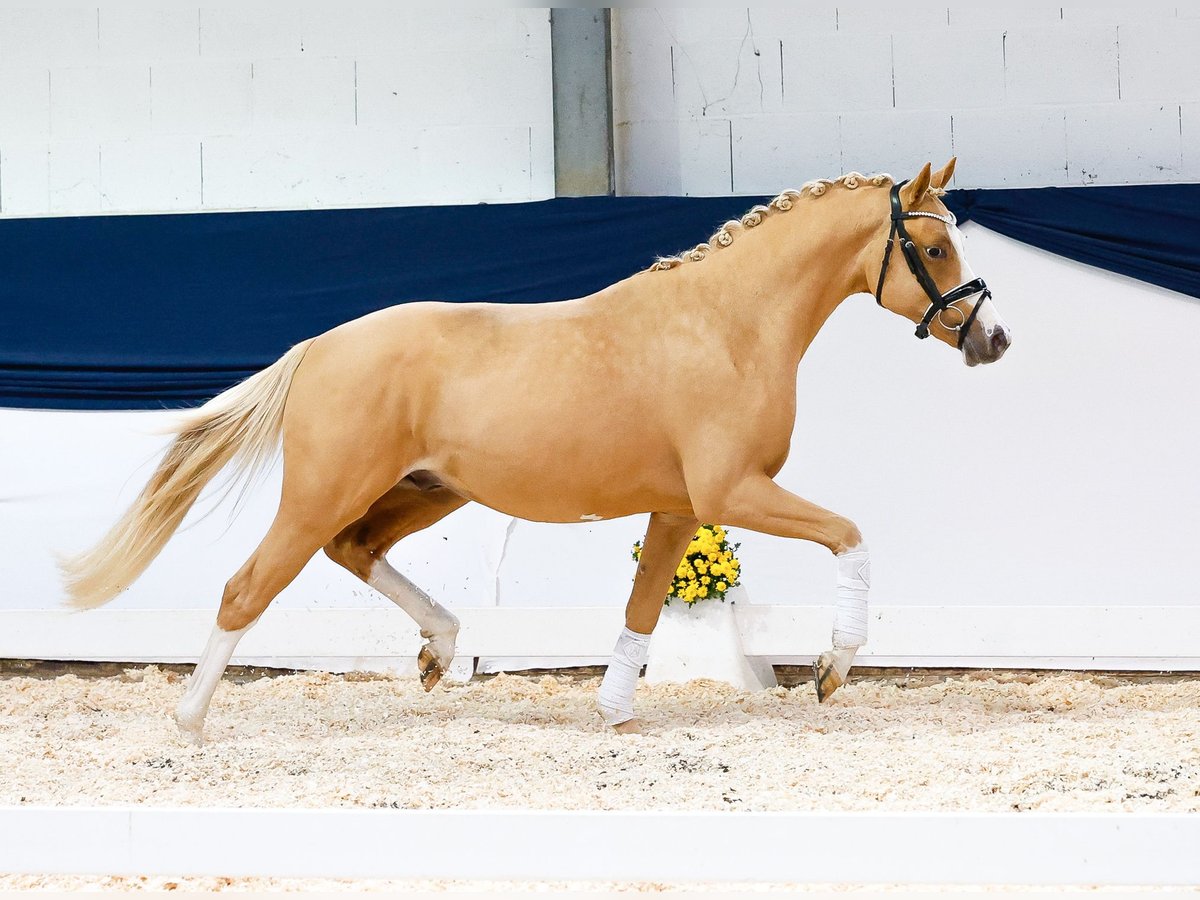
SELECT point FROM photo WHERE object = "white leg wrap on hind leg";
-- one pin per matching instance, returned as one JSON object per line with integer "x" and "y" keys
{"x": 850, "y": 613}
{"x": 620, "y": 678}
{"x": 193, "y": 707}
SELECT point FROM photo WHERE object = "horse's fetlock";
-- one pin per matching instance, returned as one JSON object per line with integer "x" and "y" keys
{"x": 848, "y": 538}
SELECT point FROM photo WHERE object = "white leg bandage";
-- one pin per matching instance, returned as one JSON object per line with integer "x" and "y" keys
{"x": 620, "y": 679}
{"x": 193, "y": 707}
{"x": 850, "y": 613}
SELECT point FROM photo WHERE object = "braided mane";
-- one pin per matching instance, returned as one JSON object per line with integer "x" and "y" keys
{"x": 724, "y": 235}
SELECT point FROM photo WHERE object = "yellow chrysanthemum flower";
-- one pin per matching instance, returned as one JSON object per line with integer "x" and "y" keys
{"x": 709, "y": 568}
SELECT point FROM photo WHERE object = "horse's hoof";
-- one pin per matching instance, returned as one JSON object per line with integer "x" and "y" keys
{"x": 632, "y": 726}
{"x": 830, "y": 671}
{"x": 190, "y": 730}
{"x": 825, "y": 677}
{"x": 430, "y": 669}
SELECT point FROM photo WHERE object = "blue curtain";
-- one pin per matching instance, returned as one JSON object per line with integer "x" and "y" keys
{"x": 126, "y": 312}
{"x": 1149, "y": 232}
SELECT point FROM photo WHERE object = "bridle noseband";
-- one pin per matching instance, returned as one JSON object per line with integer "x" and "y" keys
{"x": 938, "y": 302}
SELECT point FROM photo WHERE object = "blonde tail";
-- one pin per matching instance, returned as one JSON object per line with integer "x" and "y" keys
{"x": 242, "y": 425}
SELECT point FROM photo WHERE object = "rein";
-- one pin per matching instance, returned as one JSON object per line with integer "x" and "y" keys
{"x": 938, "y": 302}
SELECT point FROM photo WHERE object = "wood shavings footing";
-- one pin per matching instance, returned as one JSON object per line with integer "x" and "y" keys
{"x": 1054, "y": 742}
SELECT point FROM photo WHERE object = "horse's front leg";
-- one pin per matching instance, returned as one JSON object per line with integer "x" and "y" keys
{"x": 759, "y": 504}
{"x": 667, "y": 539}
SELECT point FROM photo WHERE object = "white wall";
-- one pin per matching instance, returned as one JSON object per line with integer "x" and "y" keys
{"x": 749, "y": 101}
{"x": 1065, "y": 474}
{"x": 155, "y": 108}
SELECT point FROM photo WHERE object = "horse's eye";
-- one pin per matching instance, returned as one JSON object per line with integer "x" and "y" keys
{"x": 935, "y": 252}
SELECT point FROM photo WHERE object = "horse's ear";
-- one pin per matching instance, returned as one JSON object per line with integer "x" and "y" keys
{"x": 913, "y": 192}
{"x": 942, "y": 177}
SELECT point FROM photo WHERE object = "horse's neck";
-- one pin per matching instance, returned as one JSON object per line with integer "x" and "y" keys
{"x": 777, "y": 284}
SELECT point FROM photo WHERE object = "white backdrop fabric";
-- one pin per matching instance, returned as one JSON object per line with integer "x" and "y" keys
{"x": 1065, "y": 474}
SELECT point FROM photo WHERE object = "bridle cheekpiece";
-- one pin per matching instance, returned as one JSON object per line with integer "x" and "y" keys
{"x": 938, "y": 302}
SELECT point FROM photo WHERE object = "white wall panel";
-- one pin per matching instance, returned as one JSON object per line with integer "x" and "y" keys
{"x": 201, "y": 98}
{"x": 524, "y": 28}
{"x": 384, "y": 30}
{"x": 888, "y": 140}
{"x": 24, "y": 103}
{"x": 250, "y": 31}
{"x": 25, "y": 176}
{"x": 1061, "y": 64}
{"x": 967, "y": 70}
{"x": 995, "y": 15}
{"x": 74, "y": 176}
{"x": 843, "y": 71}
{"x": 646, "y": 154}
{"x": 1010, "y": 77}
{"x": 104, "y": 101}
{"x": 491, "y": 162}
{"x": 921, "y": 15}
{"x": 802, "y": 143}
{"x": 642, "y": 65}
{"x": 1160, "y": 59}
{"x": 704, "y": 152}
{"x": 332, "y": 169}
{"x": 1129, "y": 143}
{"x": 477, "y": 86}
{"x": 150, "y": 173}
{"x": 148, "y": 32}
{"x": 46, "y": 34}
{"x": 1189, "y": 135}
{"x": 734, "y": 75}
{"x": 1011, "y": 146}
{"x": 1114, "y": 12}
{"x": 690, "y": 158}
{"x": 347, "y": 103}
{"x": 305, "y": 95}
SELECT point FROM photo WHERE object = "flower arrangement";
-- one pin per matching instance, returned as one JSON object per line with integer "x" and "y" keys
{"x": 708, "y": 569}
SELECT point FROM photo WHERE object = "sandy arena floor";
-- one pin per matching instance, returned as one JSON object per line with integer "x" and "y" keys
{"x": 503, "y": 888}
{"x": 1005, "y": 742}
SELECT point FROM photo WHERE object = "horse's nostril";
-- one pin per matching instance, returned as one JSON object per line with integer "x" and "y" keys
{"x": 1000, "y": 340}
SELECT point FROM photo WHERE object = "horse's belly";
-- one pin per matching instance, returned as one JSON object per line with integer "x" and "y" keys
{"x": 571, "y": 487}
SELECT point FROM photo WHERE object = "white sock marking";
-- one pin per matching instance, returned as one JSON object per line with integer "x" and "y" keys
{"x": 433, "y": 619}
{"x": 193, "y": 706}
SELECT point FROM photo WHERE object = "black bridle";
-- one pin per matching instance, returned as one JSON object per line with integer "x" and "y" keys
{"x": 938, "y": 302}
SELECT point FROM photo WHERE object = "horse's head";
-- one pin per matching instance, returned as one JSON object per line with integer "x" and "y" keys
{"x": 921, "y": 273}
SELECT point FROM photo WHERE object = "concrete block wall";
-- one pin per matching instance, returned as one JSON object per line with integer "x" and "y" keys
{"x": 121, "y": 108}
{"x": 752, "y": 100}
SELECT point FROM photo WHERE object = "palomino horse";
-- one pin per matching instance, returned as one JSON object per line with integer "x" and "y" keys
{"x": 560, "y": 412}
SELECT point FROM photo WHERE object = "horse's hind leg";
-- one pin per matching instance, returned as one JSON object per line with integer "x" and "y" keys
{"x": 310, "y": 513}
{"x": 278, "y": 559}
{"x": 362, "y": 547}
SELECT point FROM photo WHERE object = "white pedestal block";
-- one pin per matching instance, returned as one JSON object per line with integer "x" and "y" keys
{"x": 704, "y": 642}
